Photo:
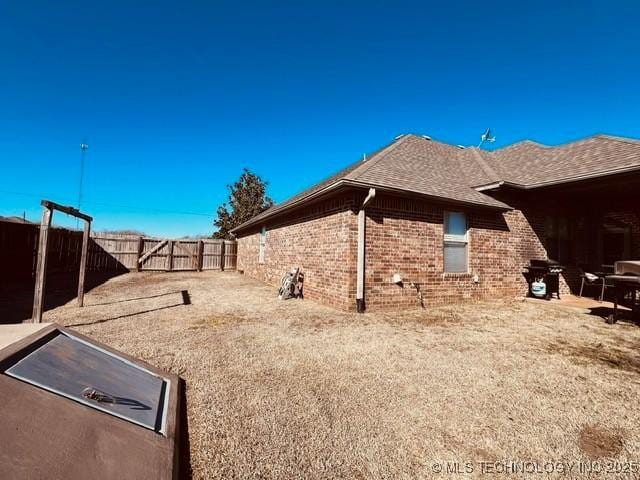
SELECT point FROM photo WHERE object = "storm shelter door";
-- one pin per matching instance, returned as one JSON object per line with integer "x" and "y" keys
{"x": 85, "y": 373}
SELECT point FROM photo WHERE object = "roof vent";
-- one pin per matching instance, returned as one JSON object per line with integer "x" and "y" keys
{"x": 426, "y": 137}
{"x": 399, "y": 136}
{"x": 461, "y": 147}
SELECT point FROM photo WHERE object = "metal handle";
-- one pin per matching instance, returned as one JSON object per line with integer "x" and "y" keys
{"x": 97, "y": 396}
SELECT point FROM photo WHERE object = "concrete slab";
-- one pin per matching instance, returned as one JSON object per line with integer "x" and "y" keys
{"x": 12, "y": 333}
{"x": 576, "y": 303}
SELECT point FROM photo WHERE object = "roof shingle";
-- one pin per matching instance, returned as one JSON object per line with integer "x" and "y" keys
{"x": 433, "y": 169}
{"x": 528, "y": 163}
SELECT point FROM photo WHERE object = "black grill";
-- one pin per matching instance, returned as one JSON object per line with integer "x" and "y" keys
{"x": 548, "y": 271}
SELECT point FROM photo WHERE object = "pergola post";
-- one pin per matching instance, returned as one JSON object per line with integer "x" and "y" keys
{"x": 43, "y": 243}
{"x": 83, "y": 261}
{"x": 41, "y": 265}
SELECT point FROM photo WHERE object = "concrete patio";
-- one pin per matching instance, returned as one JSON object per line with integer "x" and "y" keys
{"x": 585, "y": 305}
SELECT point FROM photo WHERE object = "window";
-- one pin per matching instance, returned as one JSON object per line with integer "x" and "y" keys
{"x": 263, "y": 244}
{"x": 456, "y": 242}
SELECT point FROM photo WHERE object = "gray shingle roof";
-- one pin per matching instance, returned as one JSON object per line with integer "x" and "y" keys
{"x": 528, "y": 163}
{"x": 436, "y": 170}
{"x": 425, "y": 167}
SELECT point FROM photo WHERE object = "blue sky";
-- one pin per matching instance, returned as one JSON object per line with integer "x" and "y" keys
{"x": 174, "y": 98}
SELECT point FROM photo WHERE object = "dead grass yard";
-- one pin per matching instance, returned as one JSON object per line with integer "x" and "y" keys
{"x": 296, "y": 390}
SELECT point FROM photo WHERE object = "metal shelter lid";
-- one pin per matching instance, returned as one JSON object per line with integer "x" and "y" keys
{"x": 83, "y": 372}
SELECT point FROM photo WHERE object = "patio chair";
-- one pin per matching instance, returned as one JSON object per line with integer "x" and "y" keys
{"x": 596, "y": 279}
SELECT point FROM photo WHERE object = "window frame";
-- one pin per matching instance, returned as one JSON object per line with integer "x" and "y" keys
{"x": 456, "y": 239}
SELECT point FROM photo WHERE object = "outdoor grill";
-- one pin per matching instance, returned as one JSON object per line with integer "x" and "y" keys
{"x": 626, "y": 283}
{"x": 547, "y": 271}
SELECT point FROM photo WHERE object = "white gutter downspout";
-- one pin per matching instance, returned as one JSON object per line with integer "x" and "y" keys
{"x": 361, "y": 247}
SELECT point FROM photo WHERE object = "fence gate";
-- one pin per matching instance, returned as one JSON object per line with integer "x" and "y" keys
{"x": 182, "y": 255}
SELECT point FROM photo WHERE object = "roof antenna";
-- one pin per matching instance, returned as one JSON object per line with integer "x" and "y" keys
{"x": 83, "y": 151}
{"x": 486, "y": 137}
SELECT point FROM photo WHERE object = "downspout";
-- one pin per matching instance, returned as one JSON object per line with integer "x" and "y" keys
{"x": 361, "y": 248}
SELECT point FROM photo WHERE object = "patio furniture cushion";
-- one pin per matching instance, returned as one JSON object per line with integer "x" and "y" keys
{"x": 591, "y": 276}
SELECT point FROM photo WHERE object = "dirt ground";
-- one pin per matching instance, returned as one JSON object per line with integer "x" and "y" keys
{"x": 297, "y": 390}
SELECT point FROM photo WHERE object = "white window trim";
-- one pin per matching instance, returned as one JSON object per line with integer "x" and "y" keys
{"x": 458, "y": 239}
{"x": 448, "y": 237}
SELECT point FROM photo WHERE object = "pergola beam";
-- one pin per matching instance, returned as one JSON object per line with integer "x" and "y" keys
{"x": 43, "y": 247}
{"x": 68, "y": 210}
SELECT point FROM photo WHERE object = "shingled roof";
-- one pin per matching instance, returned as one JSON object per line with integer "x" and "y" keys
{"x": 439, "y": 171}
{"x": 530, "y": 164}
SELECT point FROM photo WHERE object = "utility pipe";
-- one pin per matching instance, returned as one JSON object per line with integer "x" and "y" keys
{"x": 361, "y": 250}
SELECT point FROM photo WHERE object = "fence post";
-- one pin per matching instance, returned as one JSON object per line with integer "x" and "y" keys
{"x": 233, "y": 256}
{"x": 200, "y": 254}
{"x": 140, "y": 249}
{"x": 170, "y": 256}
{"x": 222, "y": 255}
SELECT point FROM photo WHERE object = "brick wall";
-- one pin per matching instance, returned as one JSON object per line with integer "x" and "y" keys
{"x": 320, "y": 239}
{"x": 406, "y": 237}
{"x": 403, "y": 236}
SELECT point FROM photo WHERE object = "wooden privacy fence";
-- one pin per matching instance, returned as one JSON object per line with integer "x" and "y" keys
{"x": 141, "y": 253}
{"x": 107, "y": 252}
{"x": 19, "y": 247}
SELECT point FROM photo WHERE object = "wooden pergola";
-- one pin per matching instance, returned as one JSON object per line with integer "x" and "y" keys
{"x": 41, "y": 266}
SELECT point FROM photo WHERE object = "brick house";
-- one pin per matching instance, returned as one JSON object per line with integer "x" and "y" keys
{"x": 451, "y": 223}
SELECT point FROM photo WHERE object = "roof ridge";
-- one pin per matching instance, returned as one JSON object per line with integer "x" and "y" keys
{"x": 327, "y": 182}
{"x": 366, "y": 165}
{"x": 520, "y": 142}
{"x": 484, "y": 165}
{"x": 632, "y": 141}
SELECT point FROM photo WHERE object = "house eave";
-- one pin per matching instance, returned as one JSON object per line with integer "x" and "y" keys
{"x": 450, "y": 201}
{"x": 562, "y": 181}
{"x": 345, "y": 183}
{"x": 277, "y": 211}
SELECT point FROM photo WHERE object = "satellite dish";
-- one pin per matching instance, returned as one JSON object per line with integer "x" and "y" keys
{"x": 486, "y": 137}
